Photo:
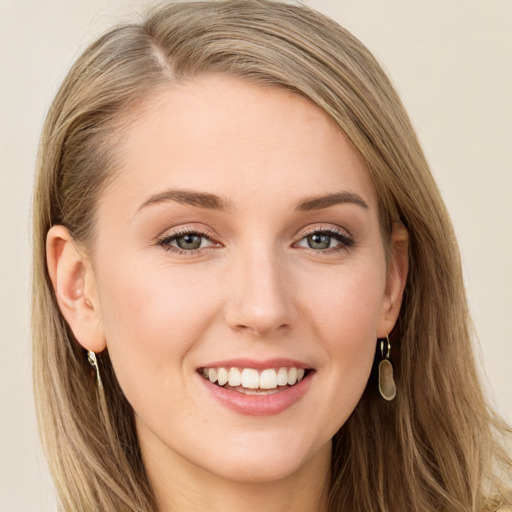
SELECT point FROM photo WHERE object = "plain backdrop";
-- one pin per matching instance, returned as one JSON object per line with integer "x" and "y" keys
{"x": 450, "y": 61}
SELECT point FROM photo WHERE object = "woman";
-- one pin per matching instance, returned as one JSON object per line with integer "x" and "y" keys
{"x": 237, "y": 303}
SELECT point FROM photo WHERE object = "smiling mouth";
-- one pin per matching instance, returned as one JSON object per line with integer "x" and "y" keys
{"x": 250, "y": 381}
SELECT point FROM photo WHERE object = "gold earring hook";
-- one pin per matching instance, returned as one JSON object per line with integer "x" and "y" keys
{"x": 387, "y": 386}
{"x": 382, "y": 348}
{"x": 93, "y": 361}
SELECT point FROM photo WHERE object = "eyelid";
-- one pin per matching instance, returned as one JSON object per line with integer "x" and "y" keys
{"x": 177, "y": 231}
{"x": 169, "y": 235}
{"x": 344, "y": 238}
{"x": 325, "y": 228}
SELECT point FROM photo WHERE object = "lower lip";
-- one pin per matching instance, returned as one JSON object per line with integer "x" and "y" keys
{"x": 259, "y": 405}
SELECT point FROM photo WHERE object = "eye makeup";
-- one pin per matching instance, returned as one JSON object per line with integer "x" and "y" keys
{"x": 187, "y": 241}
{"x": 319, "y": 240}
{"x": 190, "y": 241}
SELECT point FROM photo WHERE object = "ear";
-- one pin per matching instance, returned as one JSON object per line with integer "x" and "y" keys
{"x": 74, "y": 283}
{"x": 398, "y": 266}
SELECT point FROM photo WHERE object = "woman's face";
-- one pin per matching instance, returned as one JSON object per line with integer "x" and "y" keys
{"x": 240, "y": 240}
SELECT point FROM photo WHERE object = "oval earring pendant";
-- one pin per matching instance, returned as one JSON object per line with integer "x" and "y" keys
{"x": 387, "y": 387}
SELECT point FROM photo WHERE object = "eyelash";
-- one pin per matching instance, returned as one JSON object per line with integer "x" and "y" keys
{"x": 165, "y": 241}
{"x": 346, "y": 242}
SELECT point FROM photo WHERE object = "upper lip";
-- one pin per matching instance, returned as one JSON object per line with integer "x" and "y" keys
{"x": 277, "y": 362}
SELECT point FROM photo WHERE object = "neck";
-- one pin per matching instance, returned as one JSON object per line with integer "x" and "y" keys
{"x": 181, "y": 486}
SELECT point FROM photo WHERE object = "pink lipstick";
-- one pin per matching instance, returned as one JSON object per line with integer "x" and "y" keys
{"x": 256, "y": 388}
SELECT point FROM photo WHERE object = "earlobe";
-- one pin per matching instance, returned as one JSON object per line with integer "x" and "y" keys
{"x": 398, "y": 267}
{"x": 74, "y": 284}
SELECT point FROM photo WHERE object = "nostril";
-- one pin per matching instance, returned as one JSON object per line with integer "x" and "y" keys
{"x": 260, "y": 305}
{"x": 260, "y": 328}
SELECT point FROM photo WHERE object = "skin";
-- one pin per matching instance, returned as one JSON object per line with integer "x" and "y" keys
{"x": 255, "y": 289}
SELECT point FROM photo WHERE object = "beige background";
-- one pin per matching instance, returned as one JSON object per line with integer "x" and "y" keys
{"x": 451, "y": 62}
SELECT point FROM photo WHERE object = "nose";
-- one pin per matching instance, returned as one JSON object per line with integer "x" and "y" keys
{"x": 260, "y": 295}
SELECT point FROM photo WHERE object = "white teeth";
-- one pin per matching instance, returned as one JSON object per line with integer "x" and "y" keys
{"x": 235, "y": 377}
{"x": 268, "y": 379}
{"x": 282, "y": 377}
{"x": 222, "y": 376}
{"x": 212, "y": 374}
{"x": 251, "y": 379}
{"x": 292, "y": 376}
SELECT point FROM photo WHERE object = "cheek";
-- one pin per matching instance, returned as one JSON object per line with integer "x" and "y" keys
{"x": 346, "y": 321}
{"x": 347, "y": 305}
{"x": 152, "y": 319}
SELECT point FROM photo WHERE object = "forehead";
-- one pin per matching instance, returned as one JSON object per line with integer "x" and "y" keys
{"x": 252, "y": 143}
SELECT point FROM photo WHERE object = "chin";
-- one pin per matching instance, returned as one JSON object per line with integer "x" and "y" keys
{"x": 267, "y": 460}
{"x": 257, "y": 469}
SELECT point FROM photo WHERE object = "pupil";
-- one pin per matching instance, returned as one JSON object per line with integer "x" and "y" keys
{"x": 189, "y": 242}
{"x": 319, "y": 241}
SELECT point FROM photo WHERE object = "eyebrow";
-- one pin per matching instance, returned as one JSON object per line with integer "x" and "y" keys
{"x": 320, "y": 202}
{"x": 213, "y": 202}
{"x": 191, "y": 198}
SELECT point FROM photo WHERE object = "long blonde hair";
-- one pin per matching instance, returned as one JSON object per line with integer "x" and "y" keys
{"x": 435, "y": 447}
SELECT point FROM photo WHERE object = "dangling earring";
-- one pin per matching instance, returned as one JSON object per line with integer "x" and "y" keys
{"x": 93, "y": 361}
{"x": 387, "y": 387}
